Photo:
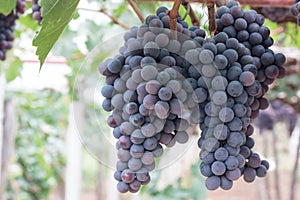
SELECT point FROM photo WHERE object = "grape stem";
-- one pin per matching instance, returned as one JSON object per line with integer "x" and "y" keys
{"x": 212, "y": 18}
{"x": 136, "y": 10}
{"x": 173, "y": 14}
{"x": 113, "y": 18}
{"x": 186, "y": 4}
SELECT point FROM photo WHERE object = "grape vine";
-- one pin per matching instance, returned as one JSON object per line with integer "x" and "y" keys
{"x": 158, "y": 86}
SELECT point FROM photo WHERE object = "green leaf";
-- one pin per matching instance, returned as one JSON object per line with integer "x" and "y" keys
{"x": 7, "y": 6}
{"x": 13, "y": 70}
{"x": 56, "y": 16}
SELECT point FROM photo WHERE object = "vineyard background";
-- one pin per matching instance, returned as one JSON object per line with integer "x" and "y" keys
{"x": 48, "y": 155}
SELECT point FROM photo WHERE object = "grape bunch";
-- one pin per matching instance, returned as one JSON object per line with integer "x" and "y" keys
{"x": 7, "y": 27}
{"x": 243, "y": 68}
{"x": 36, "y": 11}
{"x": 150, "y": 96}
{"x": 275, "y": 14}
{"x": 295, "y": 10}
{"x": 158, "y": 87}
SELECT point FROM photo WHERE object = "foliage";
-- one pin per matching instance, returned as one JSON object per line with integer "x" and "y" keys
{"x": 7, "y": 6}
{"x": 56, "y": 16}
{"x": 39, "y": 154}
{"x": 195, "y": 189}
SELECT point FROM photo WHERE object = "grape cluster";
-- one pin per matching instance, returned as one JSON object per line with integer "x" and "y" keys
{"x": 295, "y": 10}
{"x": 245, "y": 66}
{"x": 275, "y": 14}
{"x": 7, "y": 27}
{"x": 150, "y": 95}
{"x": 36, "y": 11}
{"x": 158, "y": 87}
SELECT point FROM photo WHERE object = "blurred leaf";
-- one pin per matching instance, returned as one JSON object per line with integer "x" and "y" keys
{"x": 7, "y": 6}
{"x": 14, "y": 69}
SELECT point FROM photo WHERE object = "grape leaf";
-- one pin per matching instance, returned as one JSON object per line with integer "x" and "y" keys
{"x": 56, "y": 16}
{"x": 14, "y": 69}
{"x": 7, "y": 6}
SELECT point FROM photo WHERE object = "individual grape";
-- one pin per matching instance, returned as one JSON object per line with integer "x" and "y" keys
{"x": 207, "y": 157}
{"x": 209, "y": 70}
{"x": 226, "y": 184}
{"x": 220, "y": 60}
{"x": 182, "y": 96}
{"x": 219, "y": 83}
{"x": 106, "y": 105}
{"x": 192, "y": 56}
{"x": 235, "y": 125}
{"x": 123, "y": 155}
{"x": 168, "y": 61}
{"x": 174, "y": 85}
{"x": 239, "y": 110}
{"x": 240, "y": 24}
{"x": 181, "y": 137}
{"x": 131, "y": 108}
{"x": 245, "y": 151}
{"x": 148, "y": 130}
{"x": 199, "y": 95}
{"x": 211, "y": 109}
{"x": 137, "y": 119}
{"x": 149, "y": 72}
{"x": 231, "y": 55}
{"x": 226, "y": 114}
{"x": 267, "y": 59}
{"x": 232, "y": 43}
{"x": 127, "y": 176}
{"x": 221, "y": 37}
{"x": 222, "y": 10}
{"x": 163, "y": 77}
{"x": 247, "y": 78}
{"x": 162, "y": 40}
{"x": 235, "y": 88}
{"x": 241, "y": 160}
{"x": 265, "y": 163}
{"x": 211, "y": 144}
{"x": 243, "y": 35}
{"x": 175, "y": 106}
{"x": 227, "y": 19}
{"x": 235, "y": 139}
{"x": 272, "y": 71}
{"x": 230, "y": 31}
{"x": 261, "y": 171}
{"x": 206, "y": 56}
{"x": 181, "y": 124}
{"x": 134, "y": 164}
{"x": 221, "y": 132}
{"x": 205, "y": 169}
{"x": 219, "y": 98}
{"x": 122, "y": 187}
{"x": 166, "y": 138}
{"x": 249, "y": 142}
{"x": 158, "y": 151}
{"x": 218, "y": 168}
{"x": 124, "y": 142}
{"x": 221, "y": 154}
{"x": 126, "y": 128}
{"x": 250, "y": 68}
{"x": 150, "y": 143}
{"x": 234, "y": 73}
{"x": 249, "y": 174}
{"x": 162, "y": 109}
{"x": 147, "y": 158}
{"x": 232, "y": 163}
{"x": 212, "y": 182}
{"x": 254, "y": 160}
{"x": 233, "y": 174}
{"x": 255, "y": 38}
{"x": 187, "y": 45}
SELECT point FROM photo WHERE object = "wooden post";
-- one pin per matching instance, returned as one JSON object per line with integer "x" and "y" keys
{"x": 73, "y": 177}
{"x": 2, "y": 97}
{"x": 9, "y": 129}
